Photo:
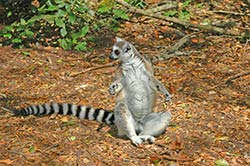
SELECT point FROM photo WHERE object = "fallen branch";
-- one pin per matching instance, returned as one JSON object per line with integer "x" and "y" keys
{"x": 181, "y": 42}
{"x": 174, "y": 158}
{"x": 173, "y": 55}
{"x": 92, "y": 68}
{"x": 6, "y": 109}
{"x": 164, "y": 7}
{"x": 228, "y": 80}
{"x": 207, "y": 28}
{"x": 231, "y": 13}
{"x": 231, "y": 78}
{"x": 172, "y": 51}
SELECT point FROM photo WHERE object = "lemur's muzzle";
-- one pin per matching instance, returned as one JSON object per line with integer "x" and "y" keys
{"x": 113, "y": 57}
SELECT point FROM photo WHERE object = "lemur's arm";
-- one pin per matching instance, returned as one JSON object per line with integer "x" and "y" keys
{"x": 154, "y": 83}
{"x": 116, "y": 85}
{"x": 158, "y": 86}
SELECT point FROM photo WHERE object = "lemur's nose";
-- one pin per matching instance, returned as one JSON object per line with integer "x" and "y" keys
{"x": 112, "y": 57}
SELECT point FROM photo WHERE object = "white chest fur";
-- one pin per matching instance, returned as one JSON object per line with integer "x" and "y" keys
{"x": 136, "y": 84}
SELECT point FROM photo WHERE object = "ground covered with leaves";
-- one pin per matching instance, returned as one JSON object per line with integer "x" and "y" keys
{"x": 210, "y": 107}
{"x": 210, "y": 116}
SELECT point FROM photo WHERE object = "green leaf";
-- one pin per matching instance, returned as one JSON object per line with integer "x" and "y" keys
{"x": 65, "y": 43}
{"x": 186, "y": 3}
{"x": 75, "y": 35}
{"x": 8, "y": 28}
{"x": 59, "y": 1}
{"x": 26, "y": 53}
{"x": 84, "y": 31}
{"x": 9, "y": 14}
{"x": 68, "y": 8}
{"x": 199, "y": 5}
{"x": 22, "y": 21}
{"x": 81, "y": 46}
{"x": 72, "y": 18}
{"x": 32, "y": 149}
{"x": 42, "y": 9}
{"x": 52, "y": 8}
{"x": 83, "y": 8}
{"x": 27, "y": 33}
{"x": 49, "y": 3}
{"x": 17, "y": 40}
{"x": 104, "y": 9}
{"x": 33, "y": 68}
{"x": 59, "y": 22}
{"x": 105, "y": 6}
{"x": 120, "y": 14}
{"x": 221, "y": 162}
{"x": 61, "y": 13}
{"x": 63, "y": 32}
{"x": 60, "y": 4}
{"x": 7, "y": 35}
{"x": 72, "y": 138}
{"x": 59, "y": 61}
{"x": 49, "y": 18}
{"x": 184, "y": 15}
{"x": 170, "y": 13}
{"x": 34, "y": 19}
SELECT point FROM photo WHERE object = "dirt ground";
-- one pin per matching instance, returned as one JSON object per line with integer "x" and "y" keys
{"x": 210, "y": 121}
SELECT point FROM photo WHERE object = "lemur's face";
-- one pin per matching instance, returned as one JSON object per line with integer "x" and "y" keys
{"x": 121, "y": 50}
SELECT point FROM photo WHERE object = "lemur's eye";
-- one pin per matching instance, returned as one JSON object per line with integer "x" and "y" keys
{"x": 117, "y": 52}
{"x": 127, "y": 49}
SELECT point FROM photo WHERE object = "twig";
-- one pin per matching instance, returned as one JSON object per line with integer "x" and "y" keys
{"x": 231, "y": 13}
{"x": 3, "y": 95}
{"x": 166, "y": 6}
{"x": 172, "y": 51}
{"x": 6, "y": 109}
{"x": 174, "y": 158}
{"x": 173, "y": 55}
{"x": 50, "y": 147}
{"x": 181, "y": 42}
{"x": 229, "y": 79}
{"x": 207, "y": 28}
{"x": 245, "y": 47}
{"x": 92, "y": 68}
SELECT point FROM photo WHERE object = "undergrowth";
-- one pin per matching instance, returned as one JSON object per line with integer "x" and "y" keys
{"x": 71, "y": 25}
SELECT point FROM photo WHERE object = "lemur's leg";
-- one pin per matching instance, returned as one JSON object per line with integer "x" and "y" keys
{"x": 155, "y": 123}
{"x": 127, "y": 126}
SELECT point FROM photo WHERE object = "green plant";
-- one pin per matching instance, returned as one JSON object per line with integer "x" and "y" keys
{"x": 107, "y": 7}
{"x": 183, "y": 13}
{"x": 137, "y": 3}
{"x": 68, "y": 24}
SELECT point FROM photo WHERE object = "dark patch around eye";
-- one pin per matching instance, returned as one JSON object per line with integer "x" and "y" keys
{"x": 117, "y": 52}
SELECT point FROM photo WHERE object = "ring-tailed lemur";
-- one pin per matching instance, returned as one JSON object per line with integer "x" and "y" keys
{"x": 136, "y": 87}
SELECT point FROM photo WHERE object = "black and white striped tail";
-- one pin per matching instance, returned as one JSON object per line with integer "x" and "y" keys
{"x": 82, "y": 112}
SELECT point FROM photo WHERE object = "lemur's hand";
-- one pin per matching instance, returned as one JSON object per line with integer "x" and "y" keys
{"x": 114, "y": 88}
{"x": 168, "y": 97}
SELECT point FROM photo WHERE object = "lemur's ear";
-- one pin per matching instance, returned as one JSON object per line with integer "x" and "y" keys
{"x": 118, "y": 39}
{"x": 127, "y": 47}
